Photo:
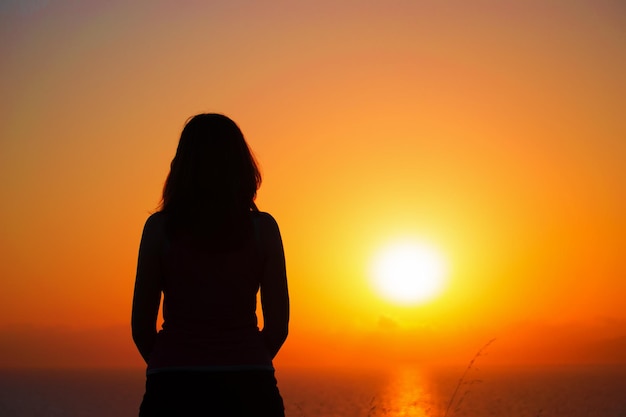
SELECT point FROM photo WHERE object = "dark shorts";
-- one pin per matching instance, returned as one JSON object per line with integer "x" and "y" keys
{"x": 220, "y": 394}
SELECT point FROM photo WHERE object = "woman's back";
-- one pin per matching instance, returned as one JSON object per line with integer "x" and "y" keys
{"x": 210, "y": 288}
{"x": 209, "y": 305}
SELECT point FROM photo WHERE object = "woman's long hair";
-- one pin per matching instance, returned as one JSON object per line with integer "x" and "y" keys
{"x": 213, "y": 179}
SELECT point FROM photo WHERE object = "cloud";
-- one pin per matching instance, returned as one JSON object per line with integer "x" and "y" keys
{"x": 387, "y": 323}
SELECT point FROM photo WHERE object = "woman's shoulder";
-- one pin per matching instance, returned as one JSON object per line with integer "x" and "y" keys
{"x": 266, "y": 225}
{"x": 154, "y": 224}
{"x": 155, "y": 219}
{"x": 265, "y": 218}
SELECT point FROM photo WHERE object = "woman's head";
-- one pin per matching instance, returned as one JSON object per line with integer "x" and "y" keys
{"x": 213, "y": 172}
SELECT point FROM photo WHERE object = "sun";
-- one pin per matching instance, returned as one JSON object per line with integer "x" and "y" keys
{"x": 408, "y": 272}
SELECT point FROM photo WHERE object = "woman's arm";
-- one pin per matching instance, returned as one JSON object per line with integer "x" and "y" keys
{"x": 147, "y": 295}
{"x": 274, "y": 292}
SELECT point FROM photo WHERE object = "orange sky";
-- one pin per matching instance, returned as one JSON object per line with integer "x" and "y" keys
{"x": 494, "y": 131}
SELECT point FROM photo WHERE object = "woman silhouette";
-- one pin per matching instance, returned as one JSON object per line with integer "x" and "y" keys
{"x": 209, "y": 250}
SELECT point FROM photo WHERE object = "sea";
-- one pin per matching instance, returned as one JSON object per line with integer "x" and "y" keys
{"x": 564, "y": 391}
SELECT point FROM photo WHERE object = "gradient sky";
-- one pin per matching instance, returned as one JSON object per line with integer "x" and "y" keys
{"x": 495, "y": 131}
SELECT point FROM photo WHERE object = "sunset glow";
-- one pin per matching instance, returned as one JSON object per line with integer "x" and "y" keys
{"x": 492, "y": 133}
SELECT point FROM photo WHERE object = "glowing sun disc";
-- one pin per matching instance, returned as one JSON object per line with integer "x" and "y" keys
{"x": 408, "y": 272}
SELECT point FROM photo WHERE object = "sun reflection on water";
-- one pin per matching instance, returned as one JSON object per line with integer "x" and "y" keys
{"x": 408, "y": 394}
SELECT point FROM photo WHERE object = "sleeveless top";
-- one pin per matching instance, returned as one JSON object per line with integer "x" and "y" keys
{"x": 209, "y": 309}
